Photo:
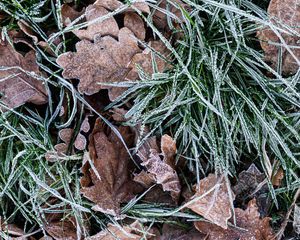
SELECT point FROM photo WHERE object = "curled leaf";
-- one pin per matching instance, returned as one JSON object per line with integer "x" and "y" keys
{"x": 249, "y": 226}
{"x": 248, "y": 181}
{"x": 160, "y": 170}
{"x": 213, "y": 201}
{"x": 19, "y": 78}
{"x": 106, "y": 182}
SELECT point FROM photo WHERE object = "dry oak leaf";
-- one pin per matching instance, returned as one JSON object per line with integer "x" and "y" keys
{"x": 11, "y": 230}
{"x": 282, "y": 13}
{"x": 249, "y": 226}
{"x": 136, "y": 24}
{"x": 60, "y": 228}
{"x": 160, "y": 170}
{"x": 144, "y": 60}
{"x": 69, "y": 14}
{"x": 112, "y": 5}
{"x": 104, "y": 61}
{"x": 105, "y": 27}
{"x": 248, "y": 181}
{"x": 172, "y": 232}
{"x": 160, "y": 19}
{"x": 66, "y": 135}
{"x": 215, "y": 205}
{"x": 16, "y": 86}
{"x": 106, "y": 182}
{"x": 133, "y": 231}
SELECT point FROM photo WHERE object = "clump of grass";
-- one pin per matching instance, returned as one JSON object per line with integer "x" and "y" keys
{"x": 218, "y": 100}
{"x": 28, "y": 182}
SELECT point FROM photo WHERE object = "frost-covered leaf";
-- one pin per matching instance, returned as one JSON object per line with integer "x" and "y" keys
{"x": 136, "y": 24}
{"x": 283, "y": 13}
{"x": 145, "y": 60}
{"x": 128, "y": 232}
{"x": 215, "y": 205}
{"x": 104, "y": 61}
{"x": 249, "y": 226}
{"x": 115, "y": 4}
{"x": 108, "y": 26}
{"x": 106, "y": 182}
{"x": 18, "y": 78}
{"x": 248, "y": 181}
{"x": 159, "y": 166}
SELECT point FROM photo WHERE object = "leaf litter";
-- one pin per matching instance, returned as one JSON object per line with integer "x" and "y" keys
{"x": 108, "y": 53}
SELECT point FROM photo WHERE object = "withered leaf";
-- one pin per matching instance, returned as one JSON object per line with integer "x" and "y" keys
{"x": 16, "y": 86}
{"x": 59, "y": 227}
{"x": 135, "y": 23}
{"x": 11, "y": 229}
{"x": 104, "y": 61}
{"x": 282, "y": 13}
{"x": 249, "y": 224}
{"x": 112, "y": 232}
{"x": 214, "y": 206}
{"x": 115, "y": 4}
{"x": 170, "y": 232}
{"x": 69, "y": 14}
{"x": 108, "y": 26}
{"x": 144, "y": 60}
{"x": 107, "y": 182}
{"x": 159, "y": 170}
{"x": 248, "y": 181}
{"x": 160, "y": 19}
{"x": 278, "y": 177}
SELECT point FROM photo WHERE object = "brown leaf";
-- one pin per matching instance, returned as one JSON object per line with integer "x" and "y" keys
{"x": 160, "y": 19}
{"x": 129, "y": 232}
{"x": 59, "y": 227}
{"x": 170, "y": 232}
{"x": 108, "y": 26}
{"x": 278, "y": 177}
{"x": 214, "y": 206}
{"x": 69, "y": 14}
{"x": 104, "y": 61}
{"x": 62, "y": 230}
{"x": 159, "y": 170}
{"x": 248, "y": 181}
{"x": 107, "y": 182}
{"x": 249, "y": 224}
{"x": 118, "y": 114}
{"x": 282, "y": 13}
{"x": 16, "y": 86}
{"x": 144, "y": 60}
{"x": 114, "y": 4}
{"x": 136, "y": 24}
{"x": 11, "y": 229}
